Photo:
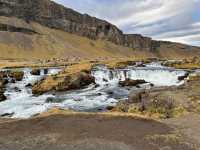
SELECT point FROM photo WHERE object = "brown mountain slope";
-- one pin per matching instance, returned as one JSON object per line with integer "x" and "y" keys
{"x": 44, "y": 29}
{"x": 45, "y": 43}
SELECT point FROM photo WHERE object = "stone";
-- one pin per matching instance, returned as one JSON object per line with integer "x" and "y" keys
{"x": 54, "y": 100}
{"x": 17, "y": 89}
{"x": 35, "y": 72}
{"x": 29, "y": 85}
{"x": 110, "y": 108}
{"x": 130, "y": 82}
{"x": 63, "y": 83}
{"x": 46, "y": 71}
{"x": 2, "y": 96}
{"x": 180, "y": 78}
{"x": 17, "y": 75}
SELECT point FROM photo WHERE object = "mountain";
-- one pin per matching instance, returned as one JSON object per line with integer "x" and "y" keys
{"x": 45, "y": 29}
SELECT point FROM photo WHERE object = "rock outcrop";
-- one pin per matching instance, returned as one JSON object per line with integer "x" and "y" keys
{"x": 63, "y": 82}
{"x": 53, "y": 15}
{"x": 35, "y": 72}
{"x": 130, "y": 82}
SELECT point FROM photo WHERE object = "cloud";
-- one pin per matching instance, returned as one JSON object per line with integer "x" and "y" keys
{"x": 174, "y": 20}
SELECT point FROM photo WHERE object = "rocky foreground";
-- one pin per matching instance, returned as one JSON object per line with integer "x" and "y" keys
{"x": 94, "y": 132}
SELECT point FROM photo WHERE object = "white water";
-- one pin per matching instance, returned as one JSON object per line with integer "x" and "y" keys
{"x": 157, "y": 75}
{"x": 22, "y": 104}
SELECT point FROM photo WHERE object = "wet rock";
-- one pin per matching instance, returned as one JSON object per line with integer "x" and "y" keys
{"x": 105, "y": 80}
{"x": 140, "y": 65}
{"x": 17, "y": 89}
{"x": 7, "y": 115}
{"x": 3, "y": 82}
{"x": 110, "y": 107}
{"x": 3, "y": 74}
{"x": 35, "y": 72}
{"x": 124, "y": 64}
{"x": 77, "y": 81}
{"x": 29, "y": 85}
{"x": 97, "y": 85}
{"x": 17, "y": 75}
{"x": 63, "y": 83}
{"x": 46, "y": 71}
{"x": 2, "y": 96}
{"x": 54, "y": 100}
{"x": 129, "y": 82}
{"x": 12, "y": 81}
{"x": 180, "y": 78}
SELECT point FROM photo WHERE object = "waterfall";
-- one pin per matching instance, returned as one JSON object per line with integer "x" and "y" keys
{"x": 106, "y": 92}
{"x": 159, "y": 76}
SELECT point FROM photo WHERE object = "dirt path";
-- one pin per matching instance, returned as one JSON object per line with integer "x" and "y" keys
{"x": 88, "y": 132}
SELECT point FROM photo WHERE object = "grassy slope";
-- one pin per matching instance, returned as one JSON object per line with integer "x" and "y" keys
{"x": 51, "y": 43}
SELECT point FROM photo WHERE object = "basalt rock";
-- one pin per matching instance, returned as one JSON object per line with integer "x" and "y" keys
{"x": 13, "y": 75}
{"x": 35, "y": 72}
{"x": 2, "y": 96}
{"x": 129, "y": 82}
{"x": 180, "y": 78}
{"x": 17, "y": 75}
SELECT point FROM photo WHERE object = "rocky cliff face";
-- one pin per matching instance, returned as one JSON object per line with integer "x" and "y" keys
{"x": 55, "y": 16}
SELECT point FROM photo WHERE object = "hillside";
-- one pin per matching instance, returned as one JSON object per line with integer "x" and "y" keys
{"x": 42, "y": 29}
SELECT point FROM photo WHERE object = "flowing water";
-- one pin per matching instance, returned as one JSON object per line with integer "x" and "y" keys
{"x": 21, "y": 103}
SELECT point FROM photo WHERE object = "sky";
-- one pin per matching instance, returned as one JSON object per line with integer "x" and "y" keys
{"x": 171, "y": 20}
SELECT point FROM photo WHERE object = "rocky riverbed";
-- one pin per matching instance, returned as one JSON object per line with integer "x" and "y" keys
{"x": 92, "y": 90}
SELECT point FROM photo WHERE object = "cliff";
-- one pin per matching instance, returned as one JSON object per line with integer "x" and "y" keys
{"x": 55, "y": 16}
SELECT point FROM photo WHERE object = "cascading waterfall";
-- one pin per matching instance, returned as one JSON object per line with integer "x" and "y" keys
{"x": 107, "y": 92}
{"x": 159, "y": 76}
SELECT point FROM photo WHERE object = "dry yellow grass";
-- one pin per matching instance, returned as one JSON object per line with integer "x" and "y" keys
{"x": 50, "y": 43}
{"x": 58, "y": 111}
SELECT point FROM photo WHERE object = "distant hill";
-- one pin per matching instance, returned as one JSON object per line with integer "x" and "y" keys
{"x": 42, "y": 29}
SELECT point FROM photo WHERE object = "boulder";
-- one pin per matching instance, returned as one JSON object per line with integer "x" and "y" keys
{"x": 2, "y": 96}
{"x": 16, "y": 89}
{"x": 17, "y": 75}
{"x": 35, "y": 72}
{"x": 3, "y": 82}
{"x": 130, "y": 82}
{"x": 180, "y": 78}
{"x": 54, "y": 100}
{"x": 46, "y": 71}
{"x": 29, "y": 85}
{"x": 76, "y": 81}
{"x": 64, "y": 82}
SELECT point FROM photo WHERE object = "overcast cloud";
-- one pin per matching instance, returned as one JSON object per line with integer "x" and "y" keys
{"x": 173, "y": 20}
